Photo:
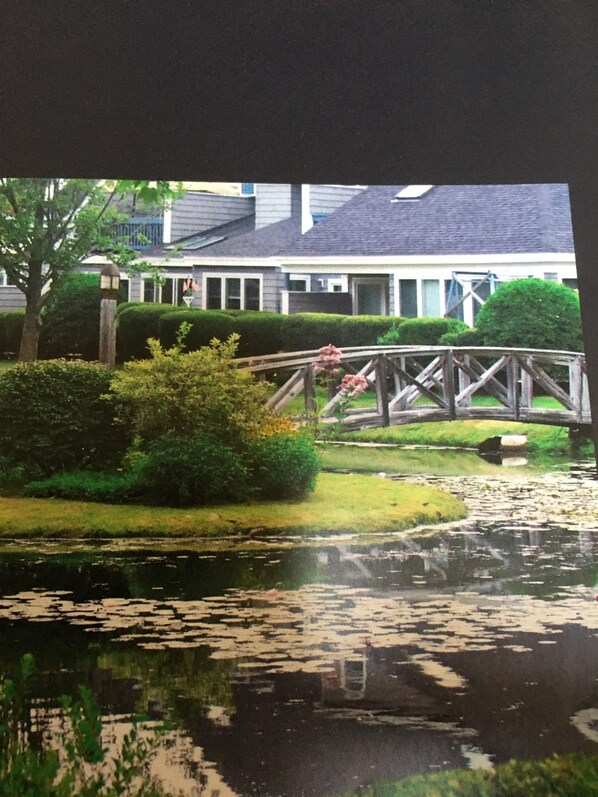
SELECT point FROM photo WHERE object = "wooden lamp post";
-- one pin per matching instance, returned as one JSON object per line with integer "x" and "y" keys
{"x": 109, "y": 284}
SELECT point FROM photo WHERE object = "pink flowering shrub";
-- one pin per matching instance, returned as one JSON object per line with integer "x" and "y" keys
{"x": 353, "y": 385}
{"x": 328, "y": 360}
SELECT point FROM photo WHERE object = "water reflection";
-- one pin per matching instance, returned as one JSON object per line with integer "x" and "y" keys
{"x": 313, "y": 671}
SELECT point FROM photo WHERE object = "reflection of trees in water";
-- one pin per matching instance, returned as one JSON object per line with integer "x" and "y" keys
{"x": 165, "y": 677}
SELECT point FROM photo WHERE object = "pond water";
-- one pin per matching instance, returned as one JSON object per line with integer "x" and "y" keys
{"x": 313, "y": 671}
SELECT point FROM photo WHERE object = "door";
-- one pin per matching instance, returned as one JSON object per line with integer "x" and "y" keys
{"x": 370, "y": 295}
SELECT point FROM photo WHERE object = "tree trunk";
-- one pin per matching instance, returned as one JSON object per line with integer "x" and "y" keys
{"x": 31, "y": 329}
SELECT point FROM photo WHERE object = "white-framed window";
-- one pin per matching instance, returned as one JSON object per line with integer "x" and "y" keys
{"x": 431, "y": 298}
{"x": 232, "y": 291}
{"x": 338, "y": 285}
{"x": 298, "y": 282}
{"x": 6, "y": 281}
{"x": 166, "y": 291}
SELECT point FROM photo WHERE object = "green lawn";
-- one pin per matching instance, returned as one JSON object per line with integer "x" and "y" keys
{"x": 340, "y": 503}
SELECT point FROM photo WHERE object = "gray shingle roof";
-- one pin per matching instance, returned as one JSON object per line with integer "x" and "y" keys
{"x": 467, "y": 219}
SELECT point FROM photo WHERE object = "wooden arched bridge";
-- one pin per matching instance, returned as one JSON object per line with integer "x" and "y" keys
{"x": 412, "y": 384}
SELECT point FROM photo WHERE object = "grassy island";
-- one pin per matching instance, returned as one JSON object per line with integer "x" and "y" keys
{"x": 339, "y": 504}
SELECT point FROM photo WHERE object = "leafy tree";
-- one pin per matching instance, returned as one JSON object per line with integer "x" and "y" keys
{"x": 49, "y": 225}
{"x": 531, "y": 314}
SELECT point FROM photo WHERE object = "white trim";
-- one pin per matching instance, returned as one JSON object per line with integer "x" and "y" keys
{"x": 307, "y": 221}
{"x": 284, "y": 302}
{"x": 167, "y": 226}
{"x": 224, "y": 275}
{"x": 343, "y": 281}
{"x": 373, "y": 280}
{"x": 366, "y": 262}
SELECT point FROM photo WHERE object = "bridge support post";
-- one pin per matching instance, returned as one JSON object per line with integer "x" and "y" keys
{"x": 448, "y": 378}
{"x": 309, "y": 390}
{"x": 513, "y": 385}
{"x": 382, "y": 390}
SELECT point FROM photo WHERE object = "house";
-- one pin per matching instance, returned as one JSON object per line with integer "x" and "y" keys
{"x": 401, "y": 250}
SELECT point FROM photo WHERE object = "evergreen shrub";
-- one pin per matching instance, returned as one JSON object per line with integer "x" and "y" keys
{"x": 11, "y": 330}
{"x": 259, "y": 333}
{"x": 204, "y": 326}
{"x": 532, "y": 314}
{"x": 470, "y": 337}
{"x": 196, "y": 470}
{"x": 364, "y": 330}
{"x": 135, "y": 325}
{"x": 421, "y": 331}
{"x": 308, "y": 331}
{"x": 53, "y": 417}
{"x": 284, "y": 466}
{"x": 71, "y": 318}
{"x": 81, "y": 485}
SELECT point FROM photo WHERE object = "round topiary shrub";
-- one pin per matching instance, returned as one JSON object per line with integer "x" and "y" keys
{"x": 364, "y": 330}
{"x": 284, "y": 466}
{"x": 53, "y": 417}
{"x": 135, "y": 324}
{"x": 204, "y": 326}
{"x": 531, "y": 314}
{"x": 308, "y": 331}
{"x": 192, "y": 471}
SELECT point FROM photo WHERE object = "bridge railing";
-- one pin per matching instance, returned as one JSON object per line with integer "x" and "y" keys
{"x": 430, "y": 383}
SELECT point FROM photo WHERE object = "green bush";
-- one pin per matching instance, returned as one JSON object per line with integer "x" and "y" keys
{"x": 71, "y": 318}
{"x": 421, "y": 331}
{"x": 364, "y": 330}
{"x": 135, "y": 325}
{"x": 532, "y": 314}
{"x": 204, "y": 326}
{"x": 11, "y": 330}
{"x": 53, "y": 417}
{"x": 560, "y": 776}
{"x": 193, "y": 471}
{"x": 470, "y": 337}
{"x": 284, "y": 466}
{"x": 185, "y": 393}
{"x": 77, "y": 485}
{"x": 307, "y": 331}
{"x": 259, "y": 333}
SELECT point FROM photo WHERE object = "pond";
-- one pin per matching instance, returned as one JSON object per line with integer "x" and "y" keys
{"x": 313, "y": 671}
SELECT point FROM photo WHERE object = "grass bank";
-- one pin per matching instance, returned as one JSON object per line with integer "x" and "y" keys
{"x": 541, "y": 439}
{"x": 559, "y": 776}
{"x": 339, "y": 504}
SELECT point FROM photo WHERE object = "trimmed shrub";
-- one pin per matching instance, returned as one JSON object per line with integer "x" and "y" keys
{"x": 135, "y": 325}
{"x": 109, "y": 488}
{"x": 307, "y": 331}
{"x": 532, "y": 314}
{"x": 364, "y": 330}
{"x": 53, "y": 416}
{"x": 422, "y": 331}
{"x": 205, "y": 325}
{"x": 71, "y": 318}
{"x": 11, "y": 330}
{"x": 284, "y": 466}
{"x": 260, "y": 333}
{"x": 197, "y": 470}
{"x": 470, "y": 337}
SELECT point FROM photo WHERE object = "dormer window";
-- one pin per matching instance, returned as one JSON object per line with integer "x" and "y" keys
{"x": 412, "y": 192}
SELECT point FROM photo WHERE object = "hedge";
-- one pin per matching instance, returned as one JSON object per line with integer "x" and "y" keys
{"x": 470, "y": 337}
{"x": 53, "y": 417}
{"x": 422, "y": 331}
{"x": 364, "y": 330}
{"x": 71, "y": 318}
{"x": 11, "y": 329}
{"x": 261, "y": 333}
{"x": 307, "y": 331}
{"x": 135, "y": 324}
{"x": 205, "y": 325}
